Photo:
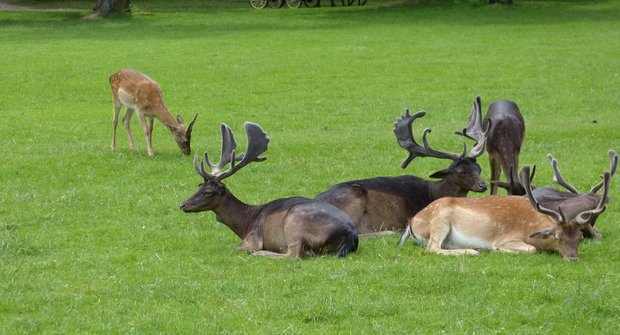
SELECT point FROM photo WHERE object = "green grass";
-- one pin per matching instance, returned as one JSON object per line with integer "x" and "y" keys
{"x": 92, "y": 241}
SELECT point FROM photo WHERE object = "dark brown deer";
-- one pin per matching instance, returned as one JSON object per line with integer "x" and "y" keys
{"x": 141, "y": 94}
{"x": 504, "y": 138}
{"x": 553, "y": 198}
{"x": 388, "y": 203}
{"x": 460, "y": 226}
{"x": 288, "y": 227}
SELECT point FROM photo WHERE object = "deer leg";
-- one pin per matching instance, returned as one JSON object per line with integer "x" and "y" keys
{"x": 516, "y": 246}
{"x": 151, "y": 119}
{"x": 117, "y": 110}
{"x": 127, "y": 124}
{"x": 270, "y": 254}
{"x": 145, "y": 127}
{"x": 495, "y": 173}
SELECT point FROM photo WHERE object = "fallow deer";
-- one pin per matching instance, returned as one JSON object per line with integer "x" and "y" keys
{"x": 459, "y": 226}
{"x": 504, "y": 138}
{"x": 286, "y": 227}
{"x": 383, "y": 204}
{"x": 552, "y": 198}
{"x": 141, "y": 94}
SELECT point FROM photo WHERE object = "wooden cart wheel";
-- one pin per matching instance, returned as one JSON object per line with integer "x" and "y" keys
{"x": 293, "y": 3}
{"x": 275, "y": 3}
{"x": 258, "y": 4}
{"x": 312, "y": 3}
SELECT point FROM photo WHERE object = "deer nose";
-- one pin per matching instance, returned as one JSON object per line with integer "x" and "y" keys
{"x": 183, "y": 206}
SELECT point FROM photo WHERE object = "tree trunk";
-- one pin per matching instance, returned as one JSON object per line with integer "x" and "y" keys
{"x": 105, "y": 7}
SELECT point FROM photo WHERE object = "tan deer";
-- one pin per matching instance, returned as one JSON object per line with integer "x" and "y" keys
{"x": 459, "y": 226}
{"x": 141, "y": 94}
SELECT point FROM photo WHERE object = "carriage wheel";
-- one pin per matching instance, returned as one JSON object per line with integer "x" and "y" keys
{"x": 293, "y": 3}
{"x": 275, "y": 3}
{"x": 258, "y": 4}
{"x": 312, "y": 3}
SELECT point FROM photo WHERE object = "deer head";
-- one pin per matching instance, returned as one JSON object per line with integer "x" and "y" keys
{"x": 182, "y": 134}
{"x": 569, "y": 222}
{"x": 211, "y": 193}
{"x": 464, "y": 169}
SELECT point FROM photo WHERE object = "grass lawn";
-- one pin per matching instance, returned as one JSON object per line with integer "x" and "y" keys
{"x": 93, "y": 241}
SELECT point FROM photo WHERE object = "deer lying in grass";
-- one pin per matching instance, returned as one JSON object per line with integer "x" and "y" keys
{"x": 552, "y": 198}
{"x": 286, "y": 227}
{"x": 459, "y": 226}
{"x": 504, "y": 139}
{"x": 142, "y": 94}
{"x": 388, "y": 203}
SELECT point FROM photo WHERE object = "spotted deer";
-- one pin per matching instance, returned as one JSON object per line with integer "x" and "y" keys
{"x": 288, "y": 227}
{"x": 461, "y": 226}
{"x": 142, "y": 95}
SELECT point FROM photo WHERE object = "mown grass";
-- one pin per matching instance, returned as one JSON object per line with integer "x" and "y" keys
{"x": 92, "y": 241}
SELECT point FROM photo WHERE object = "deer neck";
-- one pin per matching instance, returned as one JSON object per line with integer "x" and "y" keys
{"x": 236, "y": 215}
{"x": 445, "y": 188}
{"x": 162, "y": 114}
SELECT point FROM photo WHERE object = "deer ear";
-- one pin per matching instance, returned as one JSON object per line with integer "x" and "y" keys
{"x": 179, "y": 119}
{"x": 543, "y": 234}
{"x": 191, "y": 124}
{"x": 441, "y": 174}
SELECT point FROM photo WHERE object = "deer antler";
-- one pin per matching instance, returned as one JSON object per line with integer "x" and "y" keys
{"x": 257, "y": 144}
{"x": 584, "y": 217}
{"x": 525, "y": 181}
{"x": 558, "y": 176}
{"x": 403, "y": 129}
{"x": 474, "y": 130}
{"x": 613, "y": 159}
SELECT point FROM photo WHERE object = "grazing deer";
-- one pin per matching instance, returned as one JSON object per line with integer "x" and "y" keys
{"x": 388, "y": 203}
{"x": 139, "y": 93}
{"x": 552, "y": 198}
{"x": 286, "y": 227}
{"x": 458, "y": 226}
{"x": 504, "y": 139}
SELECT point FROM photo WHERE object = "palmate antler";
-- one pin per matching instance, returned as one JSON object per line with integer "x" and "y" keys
{"x": 474, "y": 130}
{"x": 403, "y": 129}
{"x": 258, "y": 142}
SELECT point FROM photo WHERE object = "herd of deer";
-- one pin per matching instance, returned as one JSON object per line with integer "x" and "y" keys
{"x": 434, "y": 213}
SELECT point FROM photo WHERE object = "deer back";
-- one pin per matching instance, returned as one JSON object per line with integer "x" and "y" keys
{"x": 506, "y": 136}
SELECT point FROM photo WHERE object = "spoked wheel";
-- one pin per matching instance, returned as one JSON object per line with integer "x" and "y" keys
{"x": 312, "y": 3}
{"x": 294, "y": 3}
{"x": 275, "y": 3}
{"x": 258, "y": 4}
